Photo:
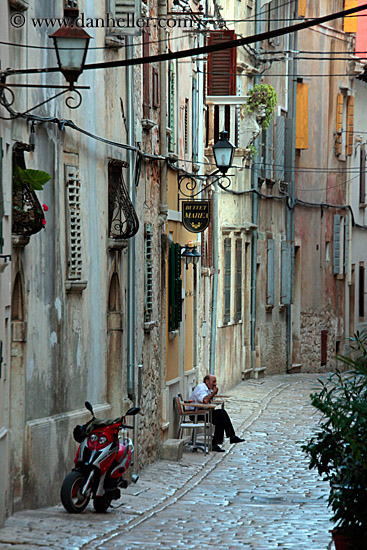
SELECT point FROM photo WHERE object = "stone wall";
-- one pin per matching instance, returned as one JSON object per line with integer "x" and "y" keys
{"x": 273, "y": 346}
{"x": 313, "y": 321}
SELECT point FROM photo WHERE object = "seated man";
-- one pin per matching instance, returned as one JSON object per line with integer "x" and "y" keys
{"x": 204, "y": 393}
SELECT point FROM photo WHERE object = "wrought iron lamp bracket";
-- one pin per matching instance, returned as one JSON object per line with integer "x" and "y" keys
{"x": 70, "y": 101}
{"x": 188, "y": 184}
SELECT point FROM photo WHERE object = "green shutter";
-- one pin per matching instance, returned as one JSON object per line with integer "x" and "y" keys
{"x": 175, "y": 287}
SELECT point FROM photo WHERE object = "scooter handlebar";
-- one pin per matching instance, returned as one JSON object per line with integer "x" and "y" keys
{"x": 126, "y": 426}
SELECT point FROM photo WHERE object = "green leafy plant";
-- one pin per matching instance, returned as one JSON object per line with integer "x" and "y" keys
{"x": 34, "y": 179}
{"x": 252, "y": 151}
{"x": 338, "y": 450}
{"x": 262, "y": 95}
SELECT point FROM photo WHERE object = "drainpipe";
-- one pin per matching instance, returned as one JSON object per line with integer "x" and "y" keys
{"x": 215, "y": 278}
{"x": 254, "y": 185}
{"x": 163, "y": 209}
{"x": 131, "y": 279}
{"x": 291, "y": 177}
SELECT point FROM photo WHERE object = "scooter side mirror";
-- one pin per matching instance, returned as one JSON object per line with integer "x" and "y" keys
{"x": 133, "y": 411}
{"x": 89, "y": 407}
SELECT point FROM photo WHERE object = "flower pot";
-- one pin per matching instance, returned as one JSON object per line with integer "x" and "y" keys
{"x": 345, "y": 542}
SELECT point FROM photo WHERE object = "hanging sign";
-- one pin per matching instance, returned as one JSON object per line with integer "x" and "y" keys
{"x": 196, "y": 215}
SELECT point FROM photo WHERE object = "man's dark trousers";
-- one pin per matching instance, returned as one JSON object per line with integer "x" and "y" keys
{"x": 222, "y": 424}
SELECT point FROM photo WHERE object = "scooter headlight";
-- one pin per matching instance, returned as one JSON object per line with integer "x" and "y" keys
{"x": 93, "y": 438}
{"x": 102, "y": 440}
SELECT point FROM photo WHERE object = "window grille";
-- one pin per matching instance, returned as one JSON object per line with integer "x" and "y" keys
{"x": 123, "y": 221}
{"x": 74, "y": 223}
{"x": 171, "y": 107}
{"x": 148, "y": 258}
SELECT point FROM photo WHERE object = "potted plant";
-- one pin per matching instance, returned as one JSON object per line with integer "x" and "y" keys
{"x": 338, "y": 450}
{"x": 28, "y": 215}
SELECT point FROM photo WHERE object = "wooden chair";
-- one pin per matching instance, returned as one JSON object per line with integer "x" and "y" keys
{"x": 200, "y": 419}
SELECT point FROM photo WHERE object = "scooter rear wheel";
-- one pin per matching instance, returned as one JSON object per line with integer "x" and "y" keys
{"x": 101, "y": 504}
{"x": 71, "y": 498}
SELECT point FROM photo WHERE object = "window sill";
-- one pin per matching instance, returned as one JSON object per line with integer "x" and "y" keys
{"x": 147, "y": 123}
{"x": 114, "y": 42}
{"x": 117, "y": 244}
{"x": 269, "y": 308}
{"x": 75, "y": 287}
{"x": 149, "y": 325}
{"x": 21, "y": 5}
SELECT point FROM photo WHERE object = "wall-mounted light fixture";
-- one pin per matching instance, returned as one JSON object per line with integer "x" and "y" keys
{"x": 190, "y": 254}
{"x": 223, "y": 152}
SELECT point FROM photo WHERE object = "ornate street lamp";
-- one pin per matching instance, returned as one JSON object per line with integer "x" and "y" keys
{"x": 223, "y": 152}
{"x": 71, "y": 45}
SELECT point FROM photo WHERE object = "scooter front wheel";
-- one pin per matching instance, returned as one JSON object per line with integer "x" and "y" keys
{"x": 71, "y": 498}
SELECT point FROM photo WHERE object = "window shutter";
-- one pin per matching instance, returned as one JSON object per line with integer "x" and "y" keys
{"x": 350, "y": 22}
{"x": 146, "y": 75}
{"x": 336, "y": 245}
{"x": 171, "y": 106}
{"x": 339, "y": 124}
{"x": 280, "y": 148}
{"x": 222, "y": 65}
{"x": 323, "y": 347}
{"x": 1, "y": 186}
{"x": 175, "y": 287}
{"x": 148, "y": 257}
{"x": 361, "y": 290}
{"x": 302, "y": 116}
{"x": 302, "y": 4}
{"x": 73, "y": 227}
{"x": 129, "y": 11}
{"x": 362, "y": 175}
{"x": 270, "y": 273}
{"x": 286, "y": 261}
{"x": 227, "y": 280}
{"x": 238, "y": 299}
{"x": 346, "y": 243}
{"x": 194, "y": 125}
{"x": 350, "y": 124}
{"x": 269, "y": 152}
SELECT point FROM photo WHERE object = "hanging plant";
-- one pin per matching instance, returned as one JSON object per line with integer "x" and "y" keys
{"x": 28, "y": 215}
{"x": 262, "y": 96}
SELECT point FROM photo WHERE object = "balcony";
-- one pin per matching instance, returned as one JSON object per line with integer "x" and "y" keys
{"x": 226, "y": 113}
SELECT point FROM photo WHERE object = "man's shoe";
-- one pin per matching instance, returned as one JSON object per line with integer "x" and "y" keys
{"x": 217, "y": 449}
{"x": 236, "y": 439}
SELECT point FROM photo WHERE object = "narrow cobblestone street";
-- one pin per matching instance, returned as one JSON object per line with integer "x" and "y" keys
{"x": 259, "y": 495}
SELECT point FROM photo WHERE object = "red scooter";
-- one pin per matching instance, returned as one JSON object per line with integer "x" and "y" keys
{"x": 101, "y": 463}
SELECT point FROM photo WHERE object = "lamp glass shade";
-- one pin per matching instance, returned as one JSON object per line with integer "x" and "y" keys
{"x": 187, "y": 255}
{"x": 223, "y": 152}
{"x": 71, "y": 45}
{"x": 196, "y": 256}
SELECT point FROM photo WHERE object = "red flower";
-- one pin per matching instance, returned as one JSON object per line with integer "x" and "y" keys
{"x": 45, "y": 207}
{"x": 43, "y": 222}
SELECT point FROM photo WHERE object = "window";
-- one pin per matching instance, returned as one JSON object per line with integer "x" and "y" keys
{"x": 362, "y": 174}
{"x": 361, "y": 290}
{"x": 340, "y": 244}
{"x": 286, "y": 269}
{"x": 238, "y": 282}
{"x": 148, "y": 279}
{"x": 73, "y": 227}
{"x": 323, "y": 347}
{"x": 274, "y": 15}
{"x": 302, "y": 116}
{"x": 146, "y": 74}
{"x": 227, "y": 281}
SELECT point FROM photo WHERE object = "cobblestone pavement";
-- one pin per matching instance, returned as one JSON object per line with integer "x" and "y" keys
{"x": 259, "y": 495}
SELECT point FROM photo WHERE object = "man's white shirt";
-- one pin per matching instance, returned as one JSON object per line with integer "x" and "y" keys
{"x": 199, "y": 393}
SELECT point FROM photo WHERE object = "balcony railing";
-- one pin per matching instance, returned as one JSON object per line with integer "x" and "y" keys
{"x": 223, "y": 114}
